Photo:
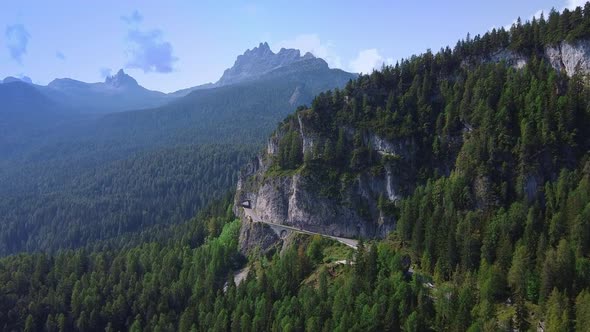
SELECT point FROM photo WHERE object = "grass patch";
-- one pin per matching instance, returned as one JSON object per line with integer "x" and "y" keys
{"x": 336, "y": 252}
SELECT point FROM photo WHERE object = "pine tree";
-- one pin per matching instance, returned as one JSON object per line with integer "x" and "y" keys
{"x": 30, "y": 324}
{"x": 136, "y": 326}
{"x": 583, "y": 311}
{"x": 557, "y": 318}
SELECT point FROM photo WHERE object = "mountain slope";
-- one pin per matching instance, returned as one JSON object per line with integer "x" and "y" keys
{"x": 492, "y": 212}
{"x": 254, "y": 64}
{"x": 59, "y": 170}
{"x": 259, "y": 61}
{"x": 248, "y": 110}
{"x": 25, "y": 113}
{"x": 119, "y": 92}
{"x": 22, "y": 98}
{"x": 360, "y": 150}
{"x": 244, "y": 112}
{"x": 476, "y": 166}
{"x": 32, "y": 115}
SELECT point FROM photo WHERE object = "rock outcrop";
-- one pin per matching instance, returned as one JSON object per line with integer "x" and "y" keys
{"x": 296, "y": 199}
{"x": 354, "y": 206}
{"x": 570, "y": 58}
{"x": 511, "y": 58}
{"x": 121, "y": 80}
{"x": 259, "y": 61}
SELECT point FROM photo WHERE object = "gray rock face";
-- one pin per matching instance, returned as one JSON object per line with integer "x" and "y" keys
{"x": 121, "y": 80}
{"x": 256, "y": 235}
{"x": 511, "y": 58}
{"x": 288, "y": 200}
{"x": 309, "y": 139}
{"x": 259, "y": 61}
{"x": 295, "y": 200}
{"x": 399, "y": 148}
{"x": 570, "y": 58}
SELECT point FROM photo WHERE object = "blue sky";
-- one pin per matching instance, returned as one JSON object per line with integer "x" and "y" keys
{"x": 169, "y": 45}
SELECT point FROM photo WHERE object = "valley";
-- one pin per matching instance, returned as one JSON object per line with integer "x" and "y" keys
{"x": 189, "y": 150}
{"x": 445, "y": 191}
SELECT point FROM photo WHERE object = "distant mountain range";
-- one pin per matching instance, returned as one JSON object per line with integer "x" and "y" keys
{"x": 69, "y": 144}
{"x": 259, "y": 61}
{"x": 252, "y": 65}
{"x": 121, "y": 92}
{"x": 259, "y": 89}
{"x": 10, "y": 79}
{"x": 117, "y": 93}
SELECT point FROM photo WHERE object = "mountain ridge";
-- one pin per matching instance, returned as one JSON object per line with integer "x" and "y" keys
{"x": 468, "y": 169}
{"x": 240, "y": 115}
{"x": 259, "y": 61}
{"x": 254, "y": 63}
{"x": 286, "y": 194}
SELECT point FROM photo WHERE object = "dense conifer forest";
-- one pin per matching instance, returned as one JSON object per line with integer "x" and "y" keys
{"x": 493, "y": 232}
{"x": 68, "y": 180}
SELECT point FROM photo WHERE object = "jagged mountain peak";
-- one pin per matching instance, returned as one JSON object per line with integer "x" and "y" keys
{"x": 121, "y": 79}
{"x": 262, "y": 49}
{"x": 308, "y": 55}
{"x": 258, "y": 61}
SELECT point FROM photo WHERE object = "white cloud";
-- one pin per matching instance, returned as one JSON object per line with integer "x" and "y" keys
{"x": 17, "y": 39}
{"x": 572, "y": 4}
{"x": 569, "y": 4}
{"x": 536, "y": 15}
{"x": 312, "y": 43}
{"x": 367, "y": 60}
{"x": 147, "y": 51}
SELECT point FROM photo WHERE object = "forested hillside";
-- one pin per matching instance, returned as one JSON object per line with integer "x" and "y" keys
{"x": 492, "y": 218}
{"x": 25, "y": 112}
{"x": 106, "y": 202}
{"x": 93, "y": 178}
{"x": 492, "y": 166}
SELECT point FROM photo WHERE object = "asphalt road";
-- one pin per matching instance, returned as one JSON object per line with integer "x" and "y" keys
{"x": 255, "y": 218}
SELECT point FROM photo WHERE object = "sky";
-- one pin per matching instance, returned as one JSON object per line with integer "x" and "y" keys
{"x": 170, "y": 45}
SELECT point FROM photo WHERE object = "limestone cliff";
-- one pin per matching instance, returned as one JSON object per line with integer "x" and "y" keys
{"x": 296, "y": 199}
{"x": 356, "y": 196}
{"x": 569, "y": 58}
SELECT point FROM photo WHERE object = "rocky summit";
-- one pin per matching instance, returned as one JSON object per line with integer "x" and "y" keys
{"x": 120, "y": 80}
{"x": 259, "y": 61}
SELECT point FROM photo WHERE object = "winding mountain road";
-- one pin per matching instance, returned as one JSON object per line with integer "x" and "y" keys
{"x": 278, "y": 228}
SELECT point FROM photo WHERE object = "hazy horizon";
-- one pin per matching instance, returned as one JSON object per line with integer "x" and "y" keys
{"x": 167, "y": 48}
